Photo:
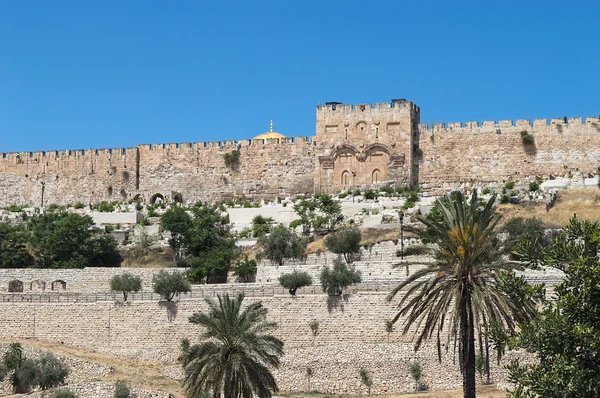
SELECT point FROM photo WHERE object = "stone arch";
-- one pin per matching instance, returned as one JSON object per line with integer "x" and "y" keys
{"x": 344, "y": 149}
{"x": 138, "y": 198}
{"x": 37, "y": 285}
{"x": 377, "y": 147}
{"x": 157, "y": 198}
{"x": 59, "y": 285}
{"x": 15, "y": 286}
{"x": 375, "y": 176}
{"x": 345, "y": 178}
{"x": 177, "y": 197}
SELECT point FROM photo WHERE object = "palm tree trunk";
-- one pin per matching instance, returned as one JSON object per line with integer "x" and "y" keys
{"x": 467, "y": 336}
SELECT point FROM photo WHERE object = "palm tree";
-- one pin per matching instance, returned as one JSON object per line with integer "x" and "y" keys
{"x": 461, "y": 287}
{"x": 236, "y": 351}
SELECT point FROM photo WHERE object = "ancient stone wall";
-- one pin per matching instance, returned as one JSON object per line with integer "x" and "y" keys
{"x": 380, "y": 142}
{"x": 477, "y": 154}
{"x": 184, "y": 172}
{"x": 374, "y": 141}
{"x": 351, "y": 336}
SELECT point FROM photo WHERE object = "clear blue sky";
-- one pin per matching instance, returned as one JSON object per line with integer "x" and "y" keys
{"x": 83, "y": 74}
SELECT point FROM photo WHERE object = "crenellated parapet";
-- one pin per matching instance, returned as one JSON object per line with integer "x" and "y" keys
{"x": 592, "y": 122}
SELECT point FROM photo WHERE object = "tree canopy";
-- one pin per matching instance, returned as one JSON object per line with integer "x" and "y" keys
{"x": 282, "y": 244}
{"x": 57, "y": 240}
{"x": 236, "y": 351}
{"x": 565, "y": 337}
{"x": 462, "y": 287}
{"x": 345, "y": 241}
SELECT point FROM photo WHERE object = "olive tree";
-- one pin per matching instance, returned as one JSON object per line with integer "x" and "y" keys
{"x": 282, "y": 244}
{"x": 125, "y": 283}
{"x": 335, "y": 280}
{"x": 168, "y": 284}
{"x": 295, "y": 280}
{"x": 346, "y": 242}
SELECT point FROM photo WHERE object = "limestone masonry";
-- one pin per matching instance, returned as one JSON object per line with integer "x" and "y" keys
{"x": 381, "y": 143}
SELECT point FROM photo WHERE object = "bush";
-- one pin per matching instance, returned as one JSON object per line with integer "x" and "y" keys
{"x": 282, "y": 244}
{"x": 416, "y": 372}
{"x": 122, "y": 390}
{"x": 261, "y": 226}
{"x": 168, "y": 284}
{"x": 527, "y": 138}
{"x": 125, "y": 283}
{"x": 64, "y": 394}
{"x": 52, "y": 371}
{"x": 295, "y": 280}
{"x": 366, "y": 379}
{"x": 371, "y": 194}
{"x": 335, "y": 280}
{"x": 534, "y": 186}
{"x": 519, "y": 228}
{"x": 105, "y": 207}
{"x": 79, "y": 205}
{"x": 509, "y": 185}
{"x": 487, "y": 191}
{"x": 145, "y": 222}
{"x": 314, "y": 329}
{"x": 345, "y": 241}
{"x": 245, "y": 269}
{"x": 231, "y": 159}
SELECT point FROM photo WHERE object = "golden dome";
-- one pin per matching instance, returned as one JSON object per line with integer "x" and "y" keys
{"x": 269, "y": 134}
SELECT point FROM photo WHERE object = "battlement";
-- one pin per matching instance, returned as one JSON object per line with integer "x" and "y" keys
{"x": 393, "y": 105}
{"x": 525, "y": 124}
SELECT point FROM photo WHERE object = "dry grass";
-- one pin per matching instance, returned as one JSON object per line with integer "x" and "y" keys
{"x": 482, "y": 392}
{"x": 143, "y": 374}
{"x": 583, "y": 202}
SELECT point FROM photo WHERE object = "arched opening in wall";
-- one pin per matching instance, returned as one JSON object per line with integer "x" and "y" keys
{"x": 109, "y": 190}
{"x": 178, "y": 198}
{"x": 345, "y": 179}
{"x": 375, "y": 176}
{"x": 157, "y": 198}
{"x": 15, "y": 286}
{"x": 37, "y": 285}
{"x": 137, "y": 198}
{"x": 123, "y": 194}
{"x": 59, "y": 285}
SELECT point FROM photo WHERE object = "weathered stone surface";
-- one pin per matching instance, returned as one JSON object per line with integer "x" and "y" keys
{"x": 379, "y": 142}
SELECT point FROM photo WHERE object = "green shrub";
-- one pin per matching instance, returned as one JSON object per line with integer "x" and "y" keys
{"x": 126, "y": 283}
{"x": 371, "y": 194}
{"x": 232, "y": 159}
{"x": 64, "y": 393}
{"x": 145, "y": 222}
{"x": 168, "y": 284}
{"x": 282, "y": 244}
{"x": 534, "y": 186}
{"x": 52, "y": 371}
{"x": 366, "y": 379}
{"x": 245, "y": 269}
{"x": 342, "y": 195}
{"x": 261, "y": 226}
{"x": 416, "y": 372}
{"x": 345, "y": 241}
{"x": 105, "y": 207}
{"x": 79, "y": 205}
{"x": 527, "y": 138}
{"x": 16, "y": 208}
{"x": 335, "y": 280}
{"x": 487, "y": 191}
{"x": 509, "y": 185}
{"x": 295, "y": 280}
{"x": 122, "y": 390}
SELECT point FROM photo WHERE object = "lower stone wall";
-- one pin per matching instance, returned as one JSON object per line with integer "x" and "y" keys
{"x": 99, "y": 389}
{"x": 352, "y": 336}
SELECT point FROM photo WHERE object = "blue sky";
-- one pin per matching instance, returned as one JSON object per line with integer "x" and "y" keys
{"x": 82, "y": 74}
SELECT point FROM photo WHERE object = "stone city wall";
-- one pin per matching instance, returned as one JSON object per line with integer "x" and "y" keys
{"x": 477, "y": 154}
{"x": 377, "y": 263}
{"x": 351, "y": 336}
{"x": 187, "y": 172}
